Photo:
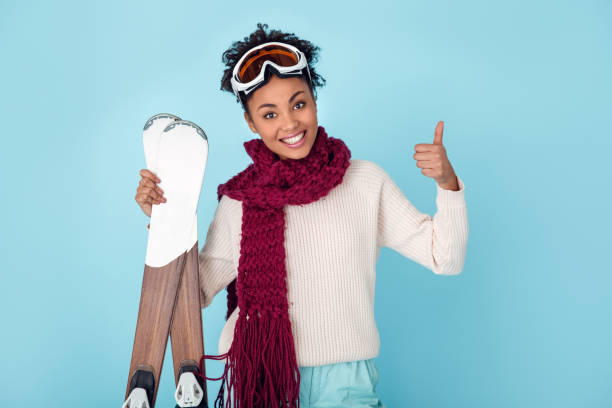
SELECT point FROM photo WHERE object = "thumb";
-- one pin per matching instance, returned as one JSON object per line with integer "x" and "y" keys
{"x": 438, "y": 133}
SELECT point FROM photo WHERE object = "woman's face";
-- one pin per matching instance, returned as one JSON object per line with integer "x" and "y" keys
{"x": 282, "y": 108}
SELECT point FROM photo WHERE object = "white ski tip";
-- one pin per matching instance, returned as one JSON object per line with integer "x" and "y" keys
{"x": 153, "y": 118}
{"x": 181, "y": 164}
{"x": 151, "y": 134}
{"x": 184, "y": 122}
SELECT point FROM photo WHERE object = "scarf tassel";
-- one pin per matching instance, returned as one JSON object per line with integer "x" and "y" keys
{"x": 261, "y": 353}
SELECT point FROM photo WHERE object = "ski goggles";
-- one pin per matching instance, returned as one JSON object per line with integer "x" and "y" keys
{"x": 283, "y": 59}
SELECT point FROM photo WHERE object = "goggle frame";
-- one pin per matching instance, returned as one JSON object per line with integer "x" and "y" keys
{"x": 261, "y": 78}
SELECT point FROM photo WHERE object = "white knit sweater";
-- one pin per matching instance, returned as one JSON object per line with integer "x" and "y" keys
{"x": 331, "y": 250}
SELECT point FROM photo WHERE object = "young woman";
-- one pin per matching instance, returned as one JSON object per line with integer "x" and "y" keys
{"x": 296, "y": 236}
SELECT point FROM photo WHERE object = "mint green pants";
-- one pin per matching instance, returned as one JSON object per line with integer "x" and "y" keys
{"x": 340, "y": 385}
{"x": 350, "y": 384}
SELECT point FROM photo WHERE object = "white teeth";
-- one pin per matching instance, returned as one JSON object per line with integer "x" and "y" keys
{"x": 294, "y": 139}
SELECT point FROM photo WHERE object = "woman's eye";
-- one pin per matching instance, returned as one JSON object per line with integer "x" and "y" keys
{"x": 298, "y": 105}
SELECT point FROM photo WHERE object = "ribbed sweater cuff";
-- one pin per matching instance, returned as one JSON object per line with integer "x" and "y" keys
{"x": 449, "y": 198}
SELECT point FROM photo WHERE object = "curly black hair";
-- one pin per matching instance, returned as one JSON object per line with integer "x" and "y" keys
{"x": 231, "y": 56}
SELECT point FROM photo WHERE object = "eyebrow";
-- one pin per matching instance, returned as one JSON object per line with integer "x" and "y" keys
{"x": 271, "y": 105}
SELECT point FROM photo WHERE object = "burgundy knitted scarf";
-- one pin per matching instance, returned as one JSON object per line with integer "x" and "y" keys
{"x": 261, "y": 361}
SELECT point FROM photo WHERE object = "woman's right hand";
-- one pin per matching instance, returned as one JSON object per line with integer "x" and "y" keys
{"x": 148, "y": 192}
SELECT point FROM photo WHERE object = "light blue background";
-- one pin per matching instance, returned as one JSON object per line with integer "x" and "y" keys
{"x": 524, "y": 90}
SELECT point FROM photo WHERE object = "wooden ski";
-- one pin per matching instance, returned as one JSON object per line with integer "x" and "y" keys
{"x": 176, "y": 151}
{"x": 187, "y": 339}
{"x": 186, "y": 334}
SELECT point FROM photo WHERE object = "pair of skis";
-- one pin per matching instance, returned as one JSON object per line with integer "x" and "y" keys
{"x": 176, "y": 151}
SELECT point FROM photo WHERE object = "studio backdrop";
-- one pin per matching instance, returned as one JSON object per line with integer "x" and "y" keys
{"x": 523, "y": 88}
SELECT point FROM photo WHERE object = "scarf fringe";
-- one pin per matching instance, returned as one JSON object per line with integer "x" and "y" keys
{"x": 261, "y": 353}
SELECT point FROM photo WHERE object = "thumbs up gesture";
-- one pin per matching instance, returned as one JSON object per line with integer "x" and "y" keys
{"x": 434, "y": 162}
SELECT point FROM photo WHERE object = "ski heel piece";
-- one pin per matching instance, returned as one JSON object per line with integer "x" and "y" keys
{"x": 189, "y": 392}
{"x": 142, "y": 386}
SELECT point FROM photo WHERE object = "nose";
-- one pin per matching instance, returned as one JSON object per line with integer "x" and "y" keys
{"x": 290, "y": 124}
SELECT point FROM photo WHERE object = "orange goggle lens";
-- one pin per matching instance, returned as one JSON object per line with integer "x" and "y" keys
{"x": 253, "y": 62}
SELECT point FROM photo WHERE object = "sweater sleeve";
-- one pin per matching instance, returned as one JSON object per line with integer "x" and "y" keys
{"x": 437, "y": 243}
{"x": 216, "y": 268}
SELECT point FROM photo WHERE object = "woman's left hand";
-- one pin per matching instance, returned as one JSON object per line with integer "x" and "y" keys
{"x": 433, "y": 160}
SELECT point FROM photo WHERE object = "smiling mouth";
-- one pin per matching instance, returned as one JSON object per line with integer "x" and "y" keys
{"x": 294, "y": 139}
